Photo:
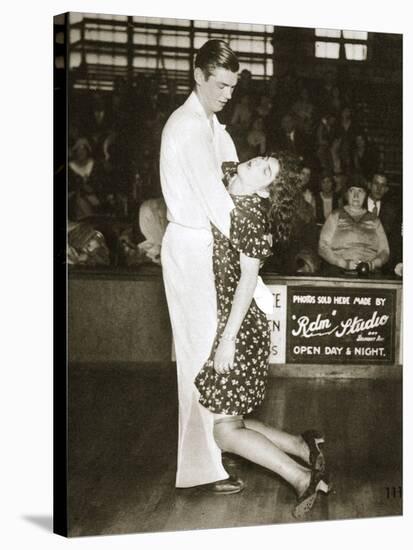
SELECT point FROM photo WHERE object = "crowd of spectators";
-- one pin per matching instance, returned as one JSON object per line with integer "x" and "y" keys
{"x": 114, "y": 144}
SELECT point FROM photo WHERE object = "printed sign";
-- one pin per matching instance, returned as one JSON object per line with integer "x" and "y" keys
{"x": 347, "y": 325}
{"x": 278, "y": 323}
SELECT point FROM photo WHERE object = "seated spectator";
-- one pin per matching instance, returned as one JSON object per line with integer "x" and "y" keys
{"x": 84, "y": 181}
{"x": 325, "y": 136}
{"x": 273, "y": 88}
{"x": 335, "y": 103}
{"x": 142, "y": 244}
{"x": 326, "y": 200}
{"x": 287, "y": 91}
{"x": 242, "y": 115}
{"x": 265, "y": 110}
{"x": 299, "y": 254}
{"x": 117, "y": 176}
{"x": 335, "y": 154}
{"x": 239, "y": 126}
{"x": 307, "y": 193}
{"x": 325, "y": 93}
{"x": 352, "y": 235}
{"x": 290, "y": 138}
{"x": 377, "y": 189}
{"x": 244, "y": 87}
{"x": 152, "y": 223}
{"x": 346, "y": 132}
{"x": 264, "y": 107}
{"x": 389, "y": 211}
{"x": 303, "y": 108}
{"x": 340, "y": 186}
{"x": 97, "y": 124}
{"x": 257, "y": 139}
{"x": 365, "y": 156}
{"x": 86, "y": 245}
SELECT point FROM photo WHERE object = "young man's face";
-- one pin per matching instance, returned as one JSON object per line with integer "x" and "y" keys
{"x": 378, "y": 187}
{"x": 215, "y": 92}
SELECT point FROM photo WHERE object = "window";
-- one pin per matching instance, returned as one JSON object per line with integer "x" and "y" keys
{"x": 251, "y": 42}
{"x": 106, "y": 46}
{"x": 336, "y": 44}
{"x": 330, "y": 50}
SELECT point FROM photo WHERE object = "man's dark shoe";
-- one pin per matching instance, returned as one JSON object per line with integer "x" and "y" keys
{"x": 228, "y": 486}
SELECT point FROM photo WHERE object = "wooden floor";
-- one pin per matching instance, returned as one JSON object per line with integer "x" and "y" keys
{"x": 122, "y": 447}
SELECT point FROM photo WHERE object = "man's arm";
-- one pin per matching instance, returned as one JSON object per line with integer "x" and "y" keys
{"x": 201, "y": 168}
{"x": 383, "y": 252}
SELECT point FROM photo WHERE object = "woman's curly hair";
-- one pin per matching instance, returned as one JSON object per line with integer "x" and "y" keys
{"x": 284, "y": 195}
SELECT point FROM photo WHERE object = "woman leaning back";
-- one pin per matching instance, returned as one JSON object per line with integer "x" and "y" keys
{"x": 232, "y": 382}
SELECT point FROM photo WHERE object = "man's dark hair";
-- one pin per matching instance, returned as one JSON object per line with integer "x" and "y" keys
{"x": 213, "y": 54}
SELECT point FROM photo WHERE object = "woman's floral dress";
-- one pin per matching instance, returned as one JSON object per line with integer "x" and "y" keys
{"x": 242, "y": 389}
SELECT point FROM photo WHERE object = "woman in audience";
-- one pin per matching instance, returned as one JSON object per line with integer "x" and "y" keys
{"x": 352, "y": 235}
{"x": 84, "y": 181}
{"x": 326, "y": 199}
{"x": 256, "y": 138}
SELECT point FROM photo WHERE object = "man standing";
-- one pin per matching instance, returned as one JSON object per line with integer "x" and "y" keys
{"x": 194, "y": 144}
{"x": 389, "y": 210}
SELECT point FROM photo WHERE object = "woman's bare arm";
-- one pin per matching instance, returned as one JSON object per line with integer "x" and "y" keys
{"x": 224, "y": 355}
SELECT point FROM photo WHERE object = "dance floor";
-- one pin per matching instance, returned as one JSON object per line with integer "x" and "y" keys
{"x": 122, "y": 452}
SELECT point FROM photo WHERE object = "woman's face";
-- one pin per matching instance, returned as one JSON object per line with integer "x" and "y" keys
{"x": 355, "y": 197}
{"x": 326, "y": 185}
{"x": 305, "y": 175}
{"x": 81, "y": 154}
{"x": 258, "y": 173}
{"x": 360, "y": 142}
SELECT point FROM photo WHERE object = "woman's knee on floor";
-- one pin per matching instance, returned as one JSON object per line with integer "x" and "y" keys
{"x": 226, "y": 433}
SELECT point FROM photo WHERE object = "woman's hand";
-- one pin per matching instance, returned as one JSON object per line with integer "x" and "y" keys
{"x": 348, "y": 264}
{"x": 224, "y": 356}
{"x": 352, "y": 264}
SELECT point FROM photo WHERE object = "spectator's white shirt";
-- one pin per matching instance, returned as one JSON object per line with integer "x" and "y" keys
{"x": 371, "y": 204}
{"x": 327, "y": 205}
{"x": 192, "y": 151}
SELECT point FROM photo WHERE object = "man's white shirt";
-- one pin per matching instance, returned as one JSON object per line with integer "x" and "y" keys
{"x": 192, "y": 152}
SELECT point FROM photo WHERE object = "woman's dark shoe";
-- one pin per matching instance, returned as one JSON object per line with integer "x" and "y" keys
{"x": 314, "y": 442}
{"x": 318, "y": 482}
